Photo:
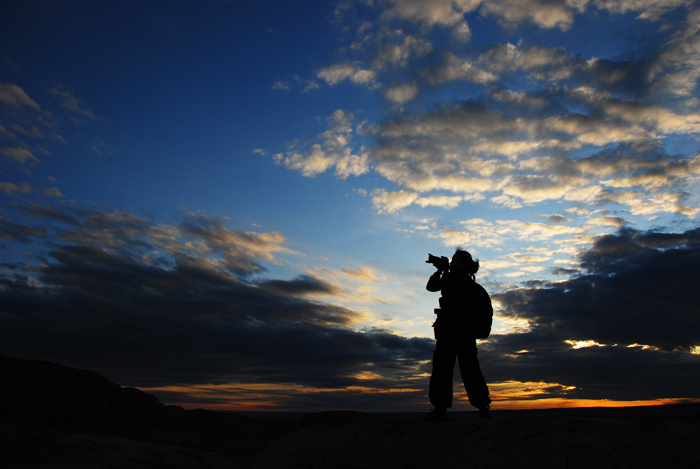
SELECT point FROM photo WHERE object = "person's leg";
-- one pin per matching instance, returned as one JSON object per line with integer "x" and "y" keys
{"x": 440, "y": 391}
{"x": 473, "y": 378}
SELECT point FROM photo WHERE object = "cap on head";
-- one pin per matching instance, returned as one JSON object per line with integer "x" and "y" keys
{"x": 464, "y": 260}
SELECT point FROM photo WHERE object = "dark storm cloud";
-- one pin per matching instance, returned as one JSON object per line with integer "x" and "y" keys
{"x": 112, "y": 303}
{"x": 302, "y": 285}
{"x": 636, "y": 297}
{"x": 20, "y": 232}
{"x": 615, "y": 373}
{"x": 51, "y": 213}
{"x": 635, "y": 288}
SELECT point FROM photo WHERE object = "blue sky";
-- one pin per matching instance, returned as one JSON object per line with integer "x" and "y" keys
{"x": 230, "y": 204}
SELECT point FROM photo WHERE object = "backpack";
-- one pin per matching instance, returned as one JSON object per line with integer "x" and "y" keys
{"x": 481, "y": 316}
{"x": 468, "y": 301}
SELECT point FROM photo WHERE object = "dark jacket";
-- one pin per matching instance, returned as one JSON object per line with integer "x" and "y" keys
{"x": 461, "y": 295}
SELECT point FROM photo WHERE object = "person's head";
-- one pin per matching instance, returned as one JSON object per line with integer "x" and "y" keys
{"x": 462, "y": 260}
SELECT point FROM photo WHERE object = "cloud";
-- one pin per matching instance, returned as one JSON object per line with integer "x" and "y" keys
{"x": 319, "y": 160}
{"x": 632, "y": 288}
{"x": 648, "y": 9}
{"x": 677, "y": 69}
{"x": 482, "y": 233}
{"x": 337, "y": 73}
{"x": 455, "y": 68}
{"x": 28, "y": 130}
{"x": 303, "y": 285}
{"x": 76, "y": 108}
{"x": 10, "y": 188}
{"x": 391, "y": 202}
{"x": 335, "y": 151}
{"x": 544, "y": 14}
{"x": 20, "y": 155}
{"x": 281, "y": 85}
{"x": 445, "y": 13}
{"x": 608, "y": 220}
{"x": 643, "y": 203}
{"x": 512, "y": 13}
{"x": 239, "y": 251}
{"x": 401, "y": 93}
{"x": 396, "y": 50}
{"x": 538, "y": 124}
{"x": 542, "y": 63}
{"x": 160, "y": 305}
{"x": 366, "y": 274}
{"x": 20, "y": 232}
{"x": 458, "y": 148}
{"x": 296, "y": 82}
{"x": 14, "y": 96}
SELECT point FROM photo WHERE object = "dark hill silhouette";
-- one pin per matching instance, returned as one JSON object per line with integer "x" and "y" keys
{"x": 52, "y": 415}
{"x": 56, "y": 416}
{"x": 46, "y": 394}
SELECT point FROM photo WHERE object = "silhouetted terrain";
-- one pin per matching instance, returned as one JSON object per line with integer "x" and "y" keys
{"x": 55, "y": 416}
{"x": 52, "y": 414}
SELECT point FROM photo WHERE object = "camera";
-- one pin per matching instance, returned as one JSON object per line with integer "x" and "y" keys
{"x": 440, "y": 263}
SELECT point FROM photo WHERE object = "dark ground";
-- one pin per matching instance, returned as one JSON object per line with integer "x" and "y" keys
{"x": 663, "y": 436}
{"x": 58, "y": 417}
{"x": 559, "y": 438}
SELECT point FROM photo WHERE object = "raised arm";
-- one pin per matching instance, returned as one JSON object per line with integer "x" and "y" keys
{"x": 434, "y": 282}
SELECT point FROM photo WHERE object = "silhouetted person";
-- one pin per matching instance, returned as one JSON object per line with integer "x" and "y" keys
{"x": 455, "y": 337}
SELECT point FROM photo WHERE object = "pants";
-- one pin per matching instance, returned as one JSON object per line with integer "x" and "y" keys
{"x": 452, "y": 342}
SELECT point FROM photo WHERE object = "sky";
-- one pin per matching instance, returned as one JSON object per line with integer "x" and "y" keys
{"x": 229, "y": 204}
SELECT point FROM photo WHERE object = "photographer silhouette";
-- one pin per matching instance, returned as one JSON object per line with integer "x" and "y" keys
{"x": 455, "y": 334}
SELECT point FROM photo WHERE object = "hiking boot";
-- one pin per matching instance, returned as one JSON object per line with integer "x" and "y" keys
{"x": 485, "y": 412}
{"x": 437, "y": 415}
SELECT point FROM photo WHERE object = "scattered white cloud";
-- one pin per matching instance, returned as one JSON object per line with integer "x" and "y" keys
{"x": 76, "y": 107}
{"x": 401, "y": 93}
{"x": 444, "y": 13}
{"x": 13, "y": 95}
{"x": 336, "y": 151}
{"x": 455, "y": 68}
{"x": 20, "y": 155}
{"x": 10, "y": 188}
{"x": 391, "y": 202}
{"x": 337, "y": 73}
{"x": 545, "y": 14}
{"x": 647, "y": 9}
{"x": 397, "y": 49}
